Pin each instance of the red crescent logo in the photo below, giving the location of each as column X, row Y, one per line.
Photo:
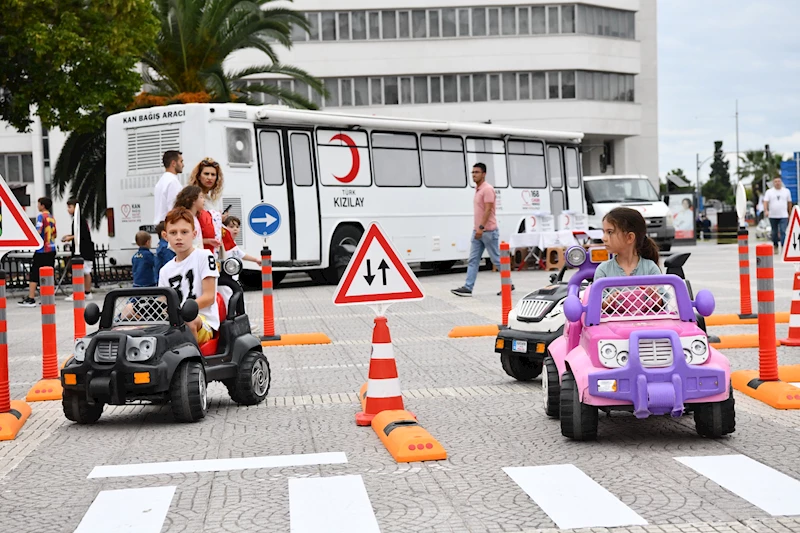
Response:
column 354, row 153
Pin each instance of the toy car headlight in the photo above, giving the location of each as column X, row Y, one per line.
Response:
column 695, row 350
column 140, row 348
column 576, row 256
column 80, row 349
column 232, row 266
column 608, row 351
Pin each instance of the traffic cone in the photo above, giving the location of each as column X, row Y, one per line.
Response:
column 794, row 315
column 383, row 386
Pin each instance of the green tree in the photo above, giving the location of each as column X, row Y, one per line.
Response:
column 72, row 61
column 755, row 163
column 718, row 186
column 186, row 65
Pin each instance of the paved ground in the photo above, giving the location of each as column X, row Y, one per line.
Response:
column 485, row 420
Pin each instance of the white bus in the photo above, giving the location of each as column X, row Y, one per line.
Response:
column 329, row 175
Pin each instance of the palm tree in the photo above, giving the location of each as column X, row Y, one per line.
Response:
column 186, row 64
column 755, row 163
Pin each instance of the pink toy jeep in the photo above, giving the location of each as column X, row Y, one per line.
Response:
column 633, row 344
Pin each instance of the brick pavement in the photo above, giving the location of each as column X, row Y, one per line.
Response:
column 485, row 420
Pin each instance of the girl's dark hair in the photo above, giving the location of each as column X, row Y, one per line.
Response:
column 631, row 221
column 188, row 196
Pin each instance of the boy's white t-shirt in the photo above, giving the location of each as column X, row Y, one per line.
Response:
column 186, row 277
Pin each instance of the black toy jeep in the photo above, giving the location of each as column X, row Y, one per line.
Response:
column 144, row 351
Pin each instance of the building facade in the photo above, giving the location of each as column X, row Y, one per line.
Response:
column 588, row 67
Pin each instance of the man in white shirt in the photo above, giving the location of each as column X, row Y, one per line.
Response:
column 777, row 204
column 168, row 185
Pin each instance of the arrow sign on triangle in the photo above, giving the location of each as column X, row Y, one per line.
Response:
column 391, row 281
column 791, row 248
column 16, row 230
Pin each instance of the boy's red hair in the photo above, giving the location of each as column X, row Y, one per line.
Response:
column 178, row 214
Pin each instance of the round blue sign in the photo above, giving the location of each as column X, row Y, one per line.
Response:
column 264, row 219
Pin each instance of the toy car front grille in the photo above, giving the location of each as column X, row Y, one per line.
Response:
column 655, row 352
column 106, row 351
column 533, row 308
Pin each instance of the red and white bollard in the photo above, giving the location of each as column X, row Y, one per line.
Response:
column 505, row 281
column 794, row 315
column 767, row 352
column 78, row 298
column 13, row 414
column 49, row 387
column 266, row 295
column 383, row 387
column 745, row 301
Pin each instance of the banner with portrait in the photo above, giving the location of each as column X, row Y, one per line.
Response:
column 684, row 216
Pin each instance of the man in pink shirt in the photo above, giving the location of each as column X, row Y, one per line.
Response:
column 485, row 234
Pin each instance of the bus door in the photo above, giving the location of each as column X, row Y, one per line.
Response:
column 572, row 165
column 287, row 181
column 555, row 173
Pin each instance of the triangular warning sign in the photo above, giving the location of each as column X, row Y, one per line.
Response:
column 16, row 231
column 376, row 274
column 791, row 247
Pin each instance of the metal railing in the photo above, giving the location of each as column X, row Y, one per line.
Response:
column 17, row 267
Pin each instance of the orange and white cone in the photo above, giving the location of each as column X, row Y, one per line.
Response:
column 794, row 315
column 383, row 386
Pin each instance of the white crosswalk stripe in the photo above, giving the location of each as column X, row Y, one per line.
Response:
column 772, row 491
column 337, row 504
column 571, row 498
column 132, row 510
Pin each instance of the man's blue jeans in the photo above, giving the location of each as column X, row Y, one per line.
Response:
column 778, row 225
column 490, row 240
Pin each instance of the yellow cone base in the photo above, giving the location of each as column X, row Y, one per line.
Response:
column 12, row 422
column 777, row 394
column 297, row 339
column 488, row 330
column 738, row 341
column 734, row 320
column 46, row 389
column 405, row 439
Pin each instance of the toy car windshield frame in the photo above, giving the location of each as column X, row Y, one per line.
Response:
column 173, row 304
column 594, row 305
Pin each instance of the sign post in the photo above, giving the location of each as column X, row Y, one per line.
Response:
column 265, row 220
column 791, row 253
column 16, row 233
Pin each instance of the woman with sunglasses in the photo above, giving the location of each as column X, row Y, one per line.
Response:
column 208, row 176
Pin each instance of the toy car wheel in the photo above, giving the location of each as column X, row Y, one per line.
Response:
column 551, row 388
column 578, row 420
column 78, row 409
column 717, row 419
column 251, row 384
column 520, row 368
column 188, row 393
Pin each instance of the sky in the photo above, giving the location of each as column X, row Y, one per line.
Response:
column 713, row 52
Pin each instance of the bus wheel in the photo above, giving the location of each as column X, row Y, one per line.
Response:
column 343, row 246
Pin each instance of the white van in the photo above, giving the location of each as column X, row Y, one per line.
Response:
column 604, row 193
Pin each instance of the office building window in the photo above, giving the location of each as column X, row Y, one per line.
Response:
column 17, row 168
column 474, row 22
column 452, row 88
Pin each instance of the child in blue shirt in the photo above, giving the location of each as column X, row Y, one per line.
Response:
column 163, row 254
column 144, row 263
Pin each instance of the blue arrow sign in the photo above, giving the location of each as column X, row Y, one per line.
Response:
column 264, row 219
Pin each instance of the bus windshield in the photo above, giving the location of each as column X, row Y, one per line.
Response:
column 620, row 190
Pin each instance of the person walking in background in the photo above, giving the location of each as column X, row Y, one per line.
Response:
column 163, row 253
column 143, row 262
column 86, row 246
column 777, row 205
column 485, row 234
column 46, row 255
column 168, row 185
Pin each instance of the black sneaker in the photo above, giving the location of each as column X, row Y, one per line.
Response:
column 501, row 291
column 27, row 302
column 462, row 291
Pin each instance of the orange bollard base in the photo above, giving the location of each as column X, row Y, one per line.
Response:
column 46, row 389
column 790, row 342
column 405, row 439
column 777, row 394
column 270, row 338
column 296, row 339
column 489, row 330
column 11, row 423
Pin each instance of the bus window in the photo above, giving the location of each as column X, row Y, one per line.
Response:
column 271, row 159
column 396, row 160
column 301, row 160
column 343, row 158
column 554, row 163
column 556, row 202
column 526, row 162
column 443, row 161
column 571, row 160
column 492, row 153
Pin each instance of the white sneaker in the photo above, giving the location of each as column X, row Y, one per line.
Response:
column 85, row 297
column 68, row 298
